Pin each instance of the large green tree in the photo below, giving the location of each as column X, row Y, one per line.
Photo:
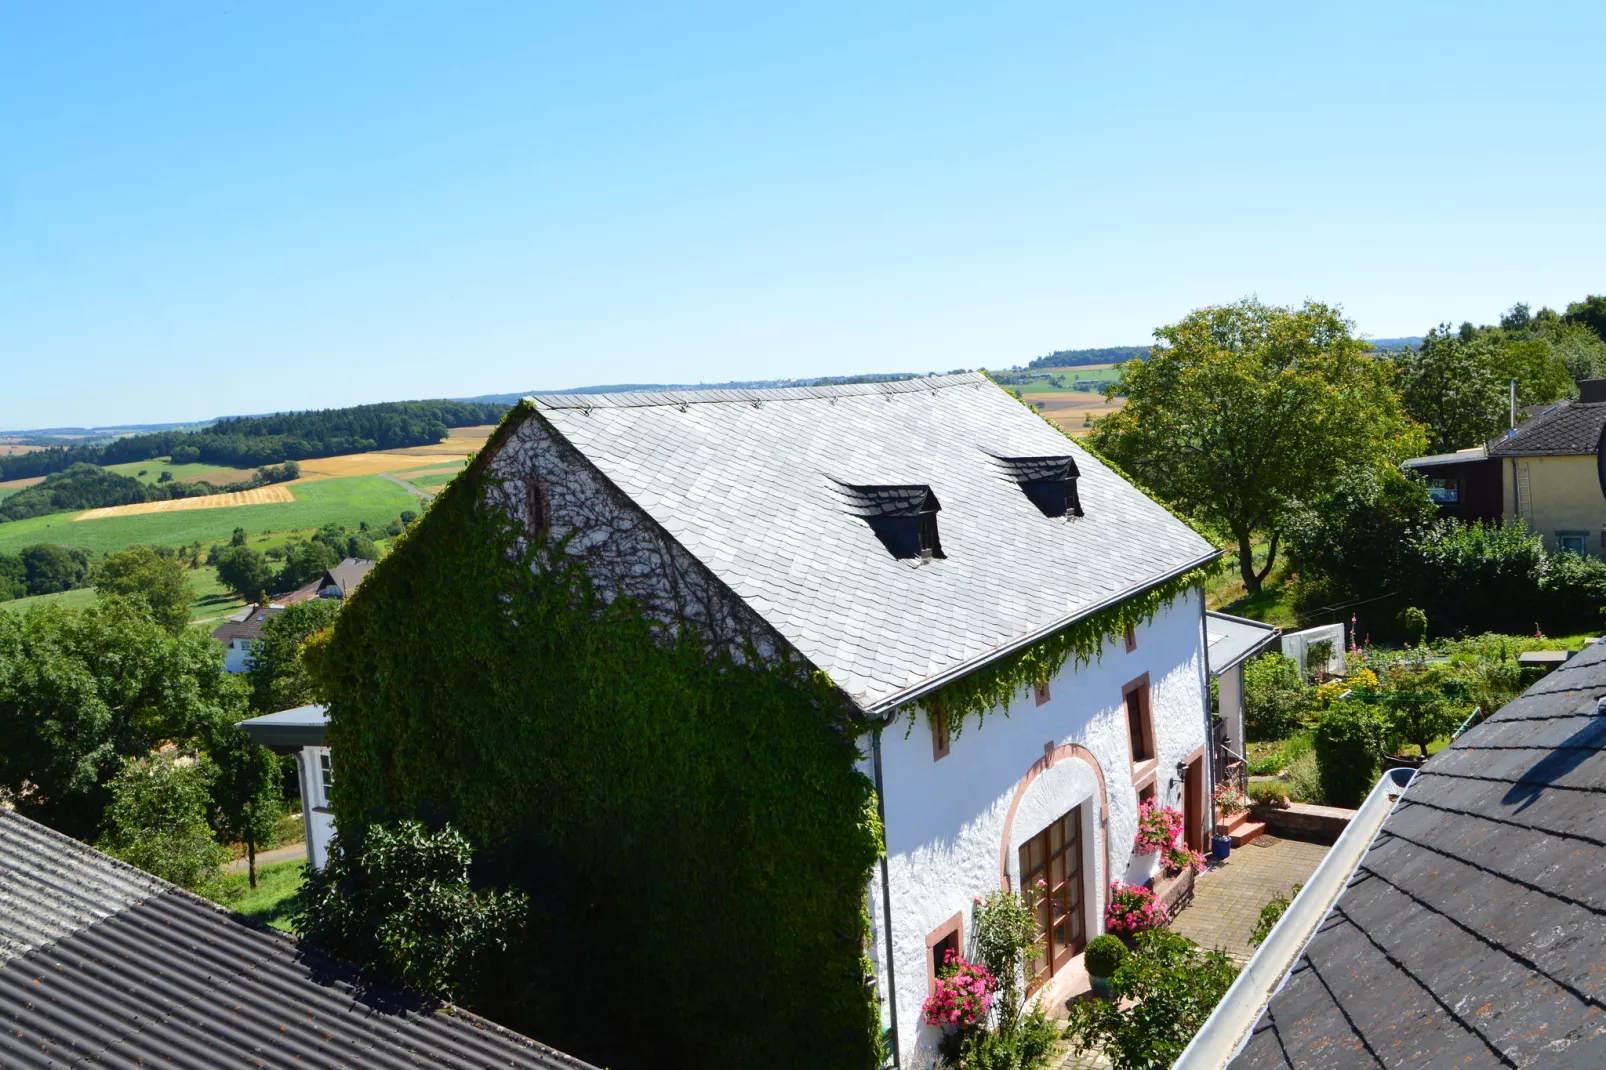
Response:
column 1458, row 382
column 157, row 580
column 245, row 571
column 80, row 690
column 1590, row 312
column 1243, row 410
column 276, row 676
column 156, row 819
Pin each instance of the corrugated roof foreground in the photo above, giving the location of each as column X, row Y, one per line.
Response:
column 749, row 482
column 1473, row 934
column 101, row 964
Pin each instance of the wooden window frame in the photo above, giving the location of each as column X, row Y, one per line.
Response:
column 953, row 927
column 1143, row 768
column 941, row 741
column 1074, row 846
column 1131, row 639
column 1041, row 692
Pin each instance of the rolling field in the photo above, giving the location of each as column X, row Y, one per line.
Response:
column 1069, row 409
column 184, row 473
column 278, row 492
column 456, row 447
column 208, row 600
column 345, row 501
column 433, row 480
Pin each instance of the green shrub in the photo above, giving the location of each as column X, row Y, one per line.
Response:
column 401, row 906
column 1104, row 954
column 1024, row 1045
column 1270, row 915
column 1270, row 792
column 1275, row 698
column 1170, row 986
column 1351, row 739
column 1413, row 625
column 157, row 820
column 1304, row 779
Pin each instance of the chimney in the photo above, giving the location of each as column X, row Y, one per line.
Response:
column 1592, row 390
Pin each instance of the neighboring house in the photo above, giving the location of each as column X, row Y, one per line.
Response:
column 1471, row 933
column 1544, row 473
column 239, row 634
column 103, row 964
column 340, row 581
column 897, row 537
column 301, row 732
column 1231, row 641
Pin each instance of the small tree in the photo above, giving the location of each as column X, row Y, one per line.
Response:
column 244, row 571
column 247, row 791
column 1351, row 739
column 1275, row 698
column 275, row 674
column 157, row 581
column 1413, row 625
column 400, row 904
column 1172, row 986
column 157, row 819
column 1018, row 1036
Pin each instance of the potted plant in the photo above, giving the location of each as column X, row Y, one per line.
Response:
column 1104, row 953
column 1132, row 909
column 1159, row 829
column 963, row 996
column 1181, row 857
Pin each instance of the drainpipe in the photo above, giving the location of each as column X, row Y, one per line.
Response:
column 1211, row 772
column 886, row 895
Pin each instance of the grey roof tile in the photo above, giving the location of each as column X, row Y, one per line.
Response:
column 749, row 490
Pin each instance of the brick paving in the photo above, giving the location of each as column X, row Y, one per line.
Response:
column 1228, row 897
column 1226, row 903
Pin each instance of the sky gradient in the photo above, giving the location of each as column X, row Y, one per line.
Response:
column 216, row 211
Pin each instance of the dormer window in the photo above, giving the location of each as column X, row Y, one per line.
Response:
column 903, row 517
column 1048, row 482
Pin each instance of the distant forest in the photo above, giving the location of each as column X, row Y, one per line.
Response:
column 254, row 441
column 1076, row 358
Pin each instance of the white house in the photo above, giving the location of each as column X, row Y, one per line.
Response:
column 240, row 633
column 301, row 732
column 899, row 538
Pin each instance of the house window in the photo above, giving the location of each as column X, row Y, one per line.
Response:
column 1131, row 638
column 1146, row 793
column 1042, row 692
column 326, row 776
column 1139, row 723
column 929, row 547
column 1575, row 542
column 1444, row 491
column 949, row 937
column 537, row 508
column 1054, row 857
column 939, row 734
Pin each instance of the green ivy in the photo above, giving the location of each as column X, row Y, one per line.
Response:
column 995, row 685
column 691, row 831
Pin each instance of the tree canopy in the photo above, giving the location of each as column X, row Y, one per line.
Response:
column 277, row 679
column 154, row 578
column 1244, row 410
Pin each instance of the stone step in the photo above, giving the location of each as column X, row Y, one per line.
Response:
column 1247, row 832
column 1231, row 824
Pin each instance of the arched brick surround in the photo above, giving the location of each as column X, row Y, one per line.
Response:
column 1051, row 755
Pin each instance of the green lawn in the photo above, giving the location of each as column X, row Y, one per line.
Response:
column 209, row 598
column 6, row 492
column 273, row 899
column 153, row 470
column 345, row 501
column 432, row 482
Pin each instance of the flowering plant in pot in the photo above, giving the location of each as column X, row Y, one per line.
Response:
column 1103, row 955
column 964, row 994
column 1181, row 857
column 1132, row 909
column 1230, row 802
column 1159, row 828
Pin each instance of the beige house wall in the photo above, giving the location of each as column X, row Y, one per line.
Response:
column 1564, row 496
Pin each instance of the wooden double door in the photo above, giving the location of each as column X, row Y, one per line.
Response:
column 1054, row 858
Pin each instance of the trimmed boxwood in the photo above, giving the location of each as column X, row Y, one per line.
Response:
column 1103, row 955
column 692, row 832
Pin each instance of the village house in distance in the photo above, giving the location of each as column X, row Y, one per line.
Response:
column 681, row 647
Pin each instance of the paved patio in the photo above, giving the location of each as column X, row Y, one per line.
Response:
column 1227, row 901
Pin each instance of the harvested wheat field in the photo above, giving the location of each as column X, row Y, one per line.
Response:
column 279, row 492
column 11, row 449
column 459, row 443
column 1070, row 410
column 18, row 484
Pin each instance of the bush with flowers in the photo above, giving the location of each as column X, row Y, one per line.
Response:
column 1159, row 827
column 1230, row 802
column 964, row 993
column 1132, row 908
column 1181, row 857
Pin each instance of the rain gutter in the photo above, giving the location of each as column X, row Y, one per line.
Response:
column 1227, row 1030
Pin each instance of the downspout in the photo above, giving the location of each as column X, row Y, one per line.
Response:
column 1211, row 772
column 886, row 895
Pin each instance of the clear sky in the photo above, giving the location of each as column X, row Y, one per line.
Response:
column 233, row 208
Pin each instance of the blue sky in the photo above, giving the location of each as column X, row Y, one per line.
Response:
column 209, row 210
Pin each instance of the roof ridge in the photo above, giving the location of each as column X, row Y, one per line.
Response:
column 635, row 399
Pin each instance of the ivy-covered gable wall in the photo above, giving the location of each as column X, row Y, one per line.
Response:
column 541, row 665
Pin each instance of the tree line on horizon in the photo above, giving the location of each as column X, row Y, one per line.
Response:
column 256, row 441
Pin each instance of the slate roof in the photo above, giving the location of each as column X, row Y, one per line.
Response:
column 1567, row 428
column 245, row 624
column 749, row 482
column 103, row 965
column 347, row 575
column 1473, row 933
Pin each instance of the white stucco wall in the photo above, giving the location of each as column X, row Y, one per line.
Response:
column 316, row 818
column 945, row 820
column 237, row 655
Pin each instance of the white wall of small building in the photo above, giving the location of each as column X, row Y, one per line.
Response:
column 316, row 818
column 237, row 655
column 945, row 819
